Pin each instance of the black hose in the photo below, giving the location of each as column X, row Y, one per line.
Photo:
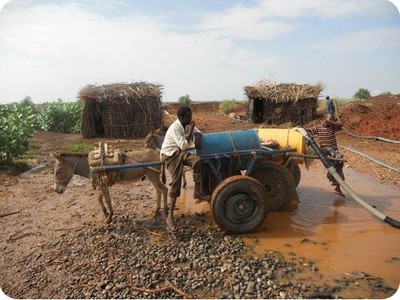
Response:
column 370, row 158
column 331, row 169
column 366, row 137
column 324, row 158
column 392, row 222
column 370, row 137
column 362, row 136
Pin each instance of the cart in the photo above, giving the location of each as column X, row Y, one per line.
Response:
column 245, row 178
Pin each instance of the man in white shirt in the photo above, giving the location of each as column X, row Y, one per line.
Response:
column 174, row 154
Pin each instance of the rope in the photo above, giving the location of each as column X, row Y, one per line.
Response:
column 236, row 154
column 103, row 178
column 287, row 136
column 232, row 141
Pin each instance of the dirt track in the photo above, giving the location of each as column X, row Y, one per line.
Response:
column 36, row 223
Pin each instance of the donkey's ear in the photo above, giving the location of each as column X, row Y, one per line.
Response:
column 54, row 155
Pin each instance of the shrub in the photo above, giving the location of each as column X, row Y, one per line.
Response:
column 185, row 100
column 228, row 106
column 16, row 127
column 362, row 94
column 60, row 116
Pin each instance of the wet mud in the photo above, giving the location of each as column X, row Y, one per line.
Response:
column 337, row 234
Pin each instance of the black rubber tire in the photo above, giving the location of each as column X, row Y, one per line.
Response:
column 239, row 204
column 224, row 175
column 278, row 182
column 295, row 171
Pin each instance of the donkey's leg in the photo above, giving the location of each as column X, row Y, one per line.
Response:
column 103, row 208
column 184, row 177
column 154, row 183
column 170, row 218
column 154, row 178
column 164, row 191
column 157, row 210
column 107, row 197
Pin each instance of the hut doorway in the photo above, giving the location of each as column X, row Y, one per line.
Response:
column 99, row 128
column 258, row 111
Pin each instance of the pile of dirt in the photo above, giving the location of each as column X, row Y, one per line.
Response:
column 376, row 116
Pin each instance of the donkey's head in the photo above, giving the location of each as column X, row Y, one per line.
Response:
column 154, row 139
column 63, row 171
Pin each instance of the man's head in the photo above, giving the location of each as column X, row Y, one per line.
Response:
column 327, row 120
column 184, row 115
column 327, row 98
column 328, row 117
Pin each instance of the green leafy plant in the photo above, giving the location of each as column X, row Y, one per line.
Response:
column 185, row 100
column 228, row 106
column 362, row 94
column 60, row 117
column 17, row 122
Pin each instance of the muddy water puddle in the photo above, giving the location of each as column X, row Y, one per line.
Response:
column 336, row 234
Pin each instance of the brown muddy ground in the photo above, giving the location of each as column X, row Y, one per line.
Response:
column 34, row 220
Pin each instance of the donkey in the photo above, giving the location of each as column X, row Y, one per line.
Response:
column 66, row 165
column 154, row 140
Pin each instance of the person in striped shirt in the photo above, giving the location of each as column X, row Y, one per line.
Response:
column 326, row 133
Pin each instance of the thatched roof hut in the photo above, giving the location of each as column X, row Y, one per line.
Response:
column 121, row 109
column 282, row 103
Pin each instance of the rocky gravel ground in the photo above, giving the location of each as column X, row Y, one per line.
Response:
column 139, row 259
column 387, row 153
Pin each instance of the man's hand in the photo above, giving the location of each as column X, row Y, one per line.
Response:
column 191, row 128
column 197, row 140
column 330, row 122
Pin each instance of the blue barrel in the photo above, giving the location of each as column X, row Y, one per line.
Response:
column 228, row 141
column 220, row 148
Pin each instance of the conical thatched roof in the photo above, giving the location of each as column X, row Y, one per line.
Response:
column 119, row 92
column 282, row 92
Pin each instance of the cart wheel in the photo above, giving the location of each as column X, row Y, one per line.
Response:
column 239, row 204
column 214, row 183
column 295, row 171
column 278, row 182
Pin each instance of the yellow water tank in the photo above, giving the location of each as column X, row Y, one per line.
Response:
column 283, row 137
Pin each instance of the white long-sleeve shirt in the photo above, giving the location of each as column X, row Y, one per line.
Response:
column 175, row 139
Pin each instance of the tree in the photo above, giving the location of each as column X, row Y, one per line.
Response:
column 362, row 94
column 27, row 101
column 185, row 100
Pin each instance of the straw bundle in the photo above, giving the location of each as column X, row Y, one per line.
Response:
column 283, row 92
column 118, row 92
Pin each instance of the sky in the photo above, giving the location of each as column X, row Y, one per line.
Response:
column 207, row 49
